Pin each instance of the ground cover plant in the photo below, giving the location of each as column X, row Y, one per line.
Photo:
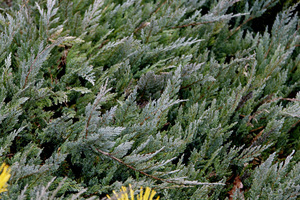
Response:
column 195, row 99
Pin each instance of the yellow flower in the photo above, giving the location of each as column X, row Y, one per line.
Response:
column 4, row 176
column 123, row 195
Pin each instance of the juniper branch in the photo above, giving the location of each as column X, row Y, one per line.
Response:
column 151, row 176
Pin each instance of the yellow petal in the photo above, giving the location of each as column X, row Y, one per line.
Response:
column 131, row 192
column 141, row 194
column 147, row 194
column 4, row 177
column 152, row 194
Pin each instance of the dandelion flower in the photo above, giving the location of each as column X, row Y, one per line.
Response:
column 4, row 176
column 123, row 194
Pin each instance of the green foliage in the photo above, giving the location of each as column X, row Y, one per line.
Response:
column 181, row 96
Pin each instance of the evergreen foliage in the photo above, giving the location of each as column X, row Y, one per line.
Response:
column 185, row 97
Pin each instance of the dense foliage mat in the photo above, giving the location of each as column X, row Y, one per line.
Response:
column 196, row 99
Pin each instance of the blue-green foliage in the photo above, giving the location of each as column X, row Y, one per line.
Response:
column 182, row 96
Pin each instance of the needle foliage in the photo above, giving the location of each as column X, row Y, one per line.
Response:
column 187, row 97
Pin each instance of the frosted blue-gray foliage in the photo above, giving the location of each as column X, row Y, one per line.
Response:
column 276, row 181
column 177, row 95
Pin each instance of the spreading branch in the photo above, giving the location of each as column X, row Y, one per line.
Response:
column 151, row 176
